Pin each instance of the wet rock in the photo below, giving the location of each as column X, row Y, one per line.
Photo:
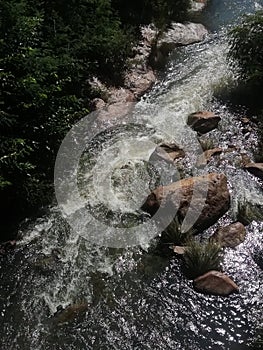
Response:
column 46, row 264
column 248, row 212
column 120, row 95
column 207, row 155
column 179, row 250
column 71, row 312
column 211, row 199
column 181, row 34
column 245, row 120
column 168, row 152
column 115, row 111
column 231, row 235
column 97, row 103
column 198, row 5
column 139, row 81
column 203, row 121
column 255, row 169
column 216, row 283
column 258, row 257
column 7, row 247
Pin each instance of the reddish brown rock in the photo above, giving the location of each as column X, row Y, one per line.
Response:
column 207, row 155
column 203, row 121
column 255, row 169
column 210, row 201
column 215, row 282
column 231, row 235
column 167, row 152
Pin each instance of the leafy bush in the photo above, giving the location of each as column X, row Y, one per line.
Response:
column 200, row 258
column 49, row 51
column 246, row 47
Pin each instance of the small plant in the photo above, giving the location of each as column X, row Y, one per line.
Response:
column 200, row 258
column 207, row 144
column 247, row 212
column 173, row 234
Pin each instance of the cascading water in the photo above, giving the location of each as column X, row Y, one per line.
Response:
column 135, row 299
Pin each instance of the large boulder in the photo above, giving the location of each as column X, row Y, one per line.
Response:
column 203, row 121
column 215, row 282
column 231, row 235
column 255, row 169
column 205, row 198
column 181, row 34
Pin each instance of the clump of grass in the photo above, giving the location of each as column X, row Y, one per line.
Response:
column 173, row 234
column 207, row 144
column 247, row 212
column 200, row 258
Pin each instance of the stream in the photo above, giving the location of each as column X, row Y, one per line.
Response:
column 134, row 298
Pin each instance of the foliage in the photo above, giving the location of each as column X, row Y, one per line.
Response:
column 246, row 47
column 174, row 235
column 49, row 51
column 200, row 258
column 159, row 12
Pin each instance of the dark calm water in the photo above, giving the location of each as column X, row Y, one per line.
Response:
column 138, row 299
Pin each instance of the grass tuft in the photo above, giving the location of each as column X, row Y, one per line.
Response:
column 200, row 258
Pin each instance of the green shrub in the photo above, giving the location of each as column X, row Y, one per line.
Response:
column 200, row 258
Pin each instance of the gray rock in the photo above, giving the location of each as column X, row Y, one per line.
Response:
column 181, row 34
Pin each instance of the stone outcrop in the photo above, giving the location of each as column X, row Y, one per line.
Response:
column 178, row 34
column 203, row 121
column 140, row 76
column 181, row 34
column 230, row 236
column 168, row 152
column 255, row 169
column 206, row 197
